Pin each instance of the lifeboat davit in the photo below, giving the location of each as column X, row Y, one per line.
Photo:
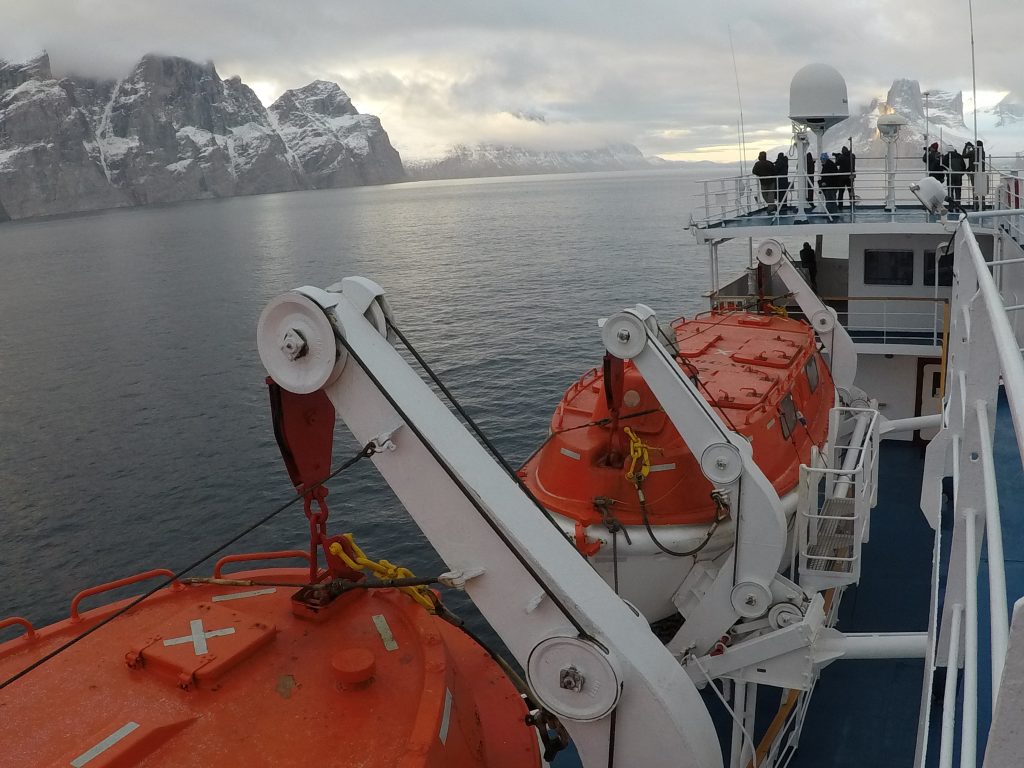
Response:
column 766, row 379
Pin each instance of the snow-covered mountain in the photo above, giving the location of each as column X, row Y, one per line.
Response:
column 1009, row 110
column 503, row 160
column 173, row 130
column 940, row 115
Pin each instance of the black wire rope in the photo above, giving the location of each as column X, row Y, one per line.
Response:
column 476, row 429
column 470, row 497
column 368, row 450
column 719, row 517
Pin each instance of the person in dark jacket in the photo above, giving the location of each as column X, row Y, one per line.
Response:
column 933, row 160
column 809, row 261
column 829, row 181
column 970, row 165
column 764, row 169
column 956, row 166
column 810, row 178
column 782, row 180
column 846, row 162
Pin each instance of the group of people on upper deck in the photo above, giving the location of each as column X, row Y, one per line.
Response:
column 950, row 167
column 838, row 170
column 837, row 174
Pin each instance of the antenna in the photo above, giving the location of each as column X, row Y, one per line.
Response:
column 739, row 100
column 974, row 75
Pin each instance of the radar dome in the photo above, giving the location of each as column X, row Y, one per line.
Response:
column 817, row 97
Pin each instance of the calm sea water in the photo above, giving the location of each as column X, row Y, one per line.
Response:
column 134, row 426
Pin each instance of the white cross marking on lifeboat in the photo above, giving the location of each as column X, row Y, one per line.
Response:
column 199, row 637
column 726, row 352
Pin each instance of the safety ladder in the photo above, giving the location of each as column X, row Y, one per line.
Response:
column 834, row 500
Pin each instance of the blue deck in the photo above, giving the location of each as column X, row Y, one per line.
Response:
column 865, row 712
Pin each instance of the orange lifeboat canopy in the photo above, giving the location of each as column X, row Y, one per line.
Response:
column 214, row 675
column 764, row 377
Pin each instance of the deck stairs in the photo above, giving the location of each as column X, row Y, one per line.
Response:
column 835, row 496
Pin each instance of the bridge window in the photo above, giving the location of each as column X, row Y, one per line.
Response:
column 889, row 267
column 945, row 268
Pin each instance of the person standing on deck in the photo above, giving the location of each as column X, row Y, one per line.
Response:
column 970, row 165
column 829, row 181
column 782, row 180
column 846, row 162
column 809, row 261
column 933, row 160
column 764, row 169
column 954, row 161
column 810, row 178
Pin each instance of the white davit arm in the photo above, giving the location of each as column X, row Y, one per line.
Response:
column 742, row 587
column 588, row 658
column 841, row 353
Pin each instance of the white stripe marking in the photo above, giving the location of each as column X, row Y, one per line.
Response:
column 242, row 595
column 198, row 637
column 662, row 467
column 446, row 718
column 384, row 630
column 570, row 454
column 103, row 746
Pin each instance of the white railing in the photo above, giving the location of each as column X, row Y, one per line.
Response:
column 982, row 347
column 736, row 196
column 835, row 521
column 914, row 320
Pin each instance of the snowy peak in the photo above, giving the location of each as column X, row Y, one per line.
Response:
column 14, row 73
column 1009, row 110
column 330, row 141
column 937, row 114
column 319, row 97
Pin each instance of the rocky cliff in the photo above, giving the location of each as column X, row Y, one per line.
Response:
column 173, row 130
column 500, row 160
column 941, row 113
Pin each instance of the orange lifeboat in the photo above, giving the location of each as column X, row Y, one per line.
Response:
column 764, row 377
column 207, row 674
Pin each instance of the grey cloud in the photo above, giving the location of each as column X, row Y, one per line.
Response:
column 625, row 71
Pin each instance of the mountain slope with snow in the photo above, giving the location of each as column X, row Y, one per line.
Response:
column 171, row 130
column 503, row 160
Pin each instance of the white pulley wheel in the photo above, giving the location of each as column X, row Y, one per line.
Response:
column 296, row 344
column 769, row 252
column 824, row 320
column 624, row 335
column 573, row 678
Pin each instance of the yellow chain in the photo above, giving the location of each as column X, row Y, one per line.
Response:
column 638, row 452
column 382, row 569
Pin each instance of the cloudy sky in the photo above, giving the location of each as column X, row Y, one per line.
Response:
column 553, row 74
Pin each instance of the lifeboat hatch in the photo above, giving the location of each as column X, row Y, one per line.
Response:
column 201, row 644
column 773, row 353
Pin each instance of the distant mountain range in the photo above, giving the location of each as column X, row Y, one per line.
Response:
column 174, row 130
column 502, row 160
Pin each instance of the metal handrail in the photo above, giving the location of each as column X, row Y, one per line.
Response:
column 982, row 340
column 737, row 195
